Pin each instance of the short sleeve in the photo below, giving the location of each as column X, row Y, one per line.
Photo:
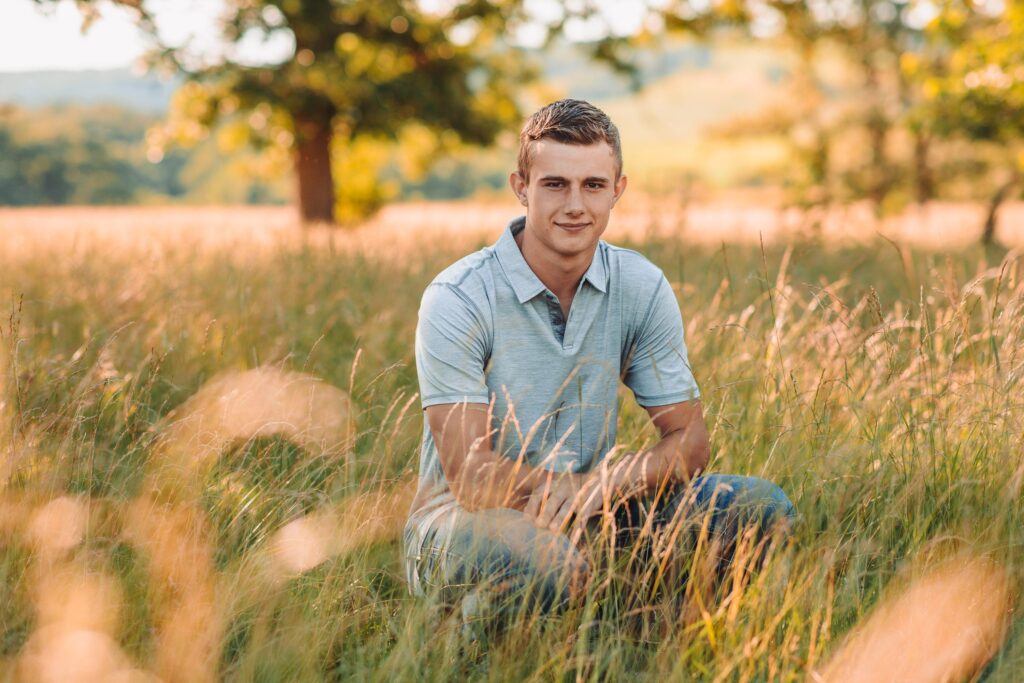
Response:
column 451, row 348
column 657, row 367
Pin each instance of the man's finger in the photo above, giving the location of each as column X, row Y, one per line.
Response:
column 533, row 504
column 589, row 504
column 547, row 510
column 559, row 519
column 555, row 502
column 538, row 498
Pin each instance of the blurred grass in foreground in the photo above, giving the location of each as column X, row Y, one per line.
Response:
column 880, row 388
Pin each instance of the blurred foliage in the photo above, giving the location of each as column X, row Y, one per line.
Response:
column 69, row 155
column 362, row 73
column 97, row 155
column 893, row 101
column 846, row 120
column 102, row 155
column 981, row 93
column 978, row 95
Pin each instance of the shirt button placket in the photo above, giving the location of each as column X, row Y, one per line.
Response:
column 568, row 337
column 555, row 313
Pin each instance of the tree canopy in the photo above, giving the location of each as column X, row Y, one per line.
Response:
column 367, row 73
column 361, row 70
column 978, row 95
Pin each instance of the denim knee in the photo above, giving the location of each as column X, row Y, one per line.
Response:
column 743, row 499
column 772, row 500
column 504, row 548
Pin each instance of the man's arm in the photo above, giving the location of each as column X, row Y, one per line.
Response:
column 657, row 370
column 682, row 452
column 479, row 478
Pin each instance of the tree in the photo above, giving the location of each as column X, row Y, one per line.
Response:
column 886, row 45
column 980, row 96
column 873, row 36
column 361, row 69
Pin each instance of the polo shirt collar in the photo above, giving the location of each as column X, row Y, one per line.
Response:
column 524, row 281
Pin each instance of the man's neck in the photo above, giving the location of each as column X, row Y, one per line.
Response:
column 562, row 277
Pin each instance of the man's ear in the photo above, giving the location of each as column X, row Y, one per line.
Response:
column 620, row 187
column 518, row 185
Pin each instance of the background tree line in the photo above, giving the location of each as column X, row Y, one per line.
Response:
column 97, row 155
column 368, row 78
column 67, row 154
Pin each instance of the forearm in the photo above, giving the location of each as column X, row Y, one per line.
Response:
column 478, row 476
column 489, row 480
column 675, row 459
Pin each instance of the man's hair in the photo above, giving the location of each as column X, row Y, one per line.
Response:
column 572, row 122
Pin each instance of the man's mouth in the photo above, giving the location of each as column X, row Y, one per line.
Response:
column 573, row 227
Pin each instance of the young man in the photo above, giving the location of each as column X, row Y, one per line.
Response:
column 519, row 349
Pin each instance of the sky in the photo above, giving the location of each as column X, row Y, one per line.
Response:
column 34, row 39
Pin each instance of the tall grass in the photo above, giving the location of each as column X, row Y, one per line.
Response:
column 881, row 388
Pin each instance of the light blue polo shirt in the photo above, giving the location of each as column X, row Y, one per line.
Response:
column 489, row 331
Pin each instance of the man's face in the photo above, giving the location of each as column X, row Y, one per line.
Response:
column 569, row 197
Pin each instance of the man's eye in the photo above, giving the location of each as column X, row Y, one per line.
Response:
column 553, row 184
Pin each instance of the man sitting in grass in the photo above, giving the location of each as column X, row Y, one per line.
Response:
column 520, row 348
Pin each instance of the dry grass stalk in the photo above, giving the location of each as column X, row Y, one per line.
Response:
column 944, row 627
column 238, row 406
column 77, row 609
column 190, row 626
column 359, row 520
column 7, row 448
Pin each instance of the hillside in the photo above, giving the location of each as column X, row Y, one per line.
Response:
column 665, row 126
column 565, row 67
column 686, row 87
column 147, row 93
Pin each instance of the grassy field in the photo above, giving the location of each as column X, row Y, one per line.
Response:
column 880, row 385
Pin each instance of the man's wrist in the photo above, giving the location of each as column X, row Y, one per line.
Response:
column 614, row 480
column 635, row 473
column 628, row 477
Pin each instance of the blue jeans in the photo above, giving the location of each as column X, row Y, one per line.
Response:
column 502, row 551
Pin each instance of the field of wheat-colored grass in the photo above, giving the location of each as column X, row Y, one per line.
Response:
column 209, row 425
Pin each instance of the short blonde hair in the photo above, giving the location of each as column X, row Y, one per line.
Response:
column 573, row 122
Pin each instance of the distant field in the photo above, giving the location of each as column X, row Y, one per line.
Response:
column 249, row 530
column 741, row 218
column 666, row 126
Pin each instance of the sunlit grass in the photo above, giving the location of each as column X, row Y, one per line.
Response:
column 879, row 386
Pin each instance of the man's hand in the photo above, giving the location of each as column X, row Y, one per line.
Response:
column 681, row 453
column 480, row 478
column 552, row 500
column 565, row 498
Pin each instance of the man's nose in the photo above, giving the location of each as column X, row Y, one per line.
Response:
column 574, row 202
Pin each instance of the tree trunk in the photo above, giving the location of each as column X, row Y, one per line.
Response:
column 313, row 167
column 877, row 124
column 810, row 93
column 924, row 182
column 923, row 178
column 879, row 182
column 988, row 232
